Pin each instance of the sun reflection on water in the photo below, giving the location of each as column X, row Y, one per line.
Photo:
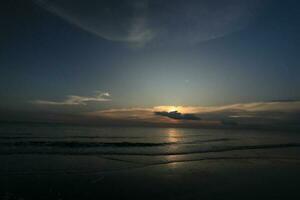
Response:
column 174, row 136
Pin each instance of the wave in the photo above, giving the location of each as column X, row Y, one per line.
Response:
column 137, row 153
column 91, row 137
column 77, row 144
column 65, row 137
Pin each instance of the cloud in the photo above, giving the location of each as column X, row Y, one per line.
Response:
column 178, row 115
column 127, row 22
column 275, row 115
column 271, row 106
column 144, row 21
column 147, row 117
column 77, row 100
column 269, row 114
column 246, row 110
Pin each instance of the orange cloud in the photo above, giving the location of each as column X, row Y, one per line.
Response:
column 210, row 115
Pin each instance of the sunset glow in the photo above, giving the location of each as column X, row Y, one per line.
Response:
column 149, row 99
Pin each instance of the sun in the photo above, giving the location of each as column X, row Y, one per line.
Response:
column 172, row 109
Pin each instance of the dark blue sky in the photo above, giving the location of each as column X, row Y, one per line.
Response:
column 167, row 61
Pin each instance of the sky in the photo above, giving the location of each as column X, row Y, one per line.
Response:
column 123, row 59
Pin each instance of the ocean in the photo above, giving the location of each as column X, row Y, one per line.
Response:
column 54, row 161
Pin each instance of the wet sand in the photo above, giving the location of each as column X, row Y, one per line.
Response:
column 251, row 175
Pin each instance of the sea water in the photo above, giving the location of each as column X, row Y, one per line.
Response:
column 47, row 161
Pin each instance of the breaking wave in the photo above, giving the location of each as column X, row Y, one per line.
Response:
column 215, row 149
column 78, row 144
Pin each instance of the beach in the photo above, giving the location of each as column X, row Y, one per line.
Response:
column 71, row 162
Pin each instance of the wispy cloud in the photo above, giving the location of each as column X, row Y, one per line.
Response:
column 136, row 31
column 271, row 106
column 256, row 113
column 77, row 100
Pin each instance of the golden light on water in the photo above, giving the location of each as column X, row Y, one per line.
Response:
column 173, row 135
